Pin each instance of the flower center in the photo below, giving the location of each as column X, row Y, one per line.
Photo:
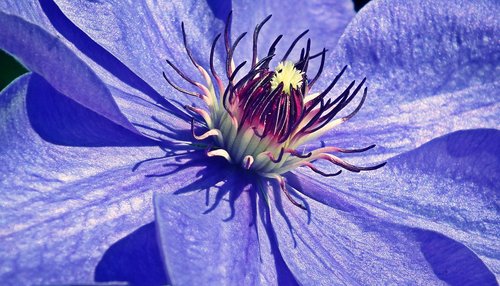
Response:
column 259, row 119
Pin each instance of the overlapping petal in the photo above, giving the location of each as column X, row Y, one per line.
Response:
column 61, row 207
column 432, row 68
column 113, row 26
column 126, row 87
column 325, row 20
column 215, row 229
column 328, row 246
column 46, row 55
column 448, row 185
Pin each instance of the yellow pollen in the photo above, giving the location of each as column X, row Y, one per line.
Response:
column 287, row 74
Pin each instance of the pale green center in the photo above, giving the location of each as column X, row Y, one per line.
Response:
column 287, row 74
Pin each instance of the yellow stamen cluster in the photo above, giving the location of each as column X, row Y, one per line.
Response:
column 287, row 74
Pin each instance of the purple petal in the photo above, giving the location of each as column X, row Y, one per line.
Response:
column 60, row 120
column 46, row 55
column 449, row 185
column 62, row 207
column 431, row 69
column 327, row 246
column 145, row 50
column 117, row 76
column 154, row 120
column 214, row 229
column 325, row 20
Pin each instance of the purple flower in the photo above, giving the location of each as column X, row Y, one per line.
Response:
column 94, row 131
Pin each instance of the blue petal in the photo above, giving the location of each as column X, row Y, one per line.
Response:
column 142, row 36
column 214, row 229
column 61, row 207
column 327, row 246
column 29, row 11
column 117, row 76
column 153, row 120
column 60, row 120
column 449, row 185
column 46, row 55
column 325, row 20
column 431, row 69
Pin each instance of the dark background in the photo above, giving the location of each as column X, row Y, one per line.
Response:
column 10, row 68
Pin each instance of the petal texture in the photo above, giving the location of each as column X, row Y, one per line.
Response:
column 219, row 246
column 327, row 246
column 60, row 120
column 448, row 185
column 46, row 55
column 432, row 68
column 145, row 50
column 61, row 207
column 126, row 87
column 325, row 20
column 214, row 229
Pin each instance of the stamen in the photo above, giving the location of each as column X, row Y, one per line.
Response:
column 179, row 72
column 318, row 54
column 229, row 60
column 211, row 132
column 297, row 154
column 229, row 90
column 268, row 114
column 290, row 49
column 271, row 156
column 272, row 49
column 350, row 167
column 220, row 153
column 321, row 122
column 320, row 69
column 181, row 89
column 316, row 170
column 256, row 37
column 202, row 113
column 212, row 68
column 342, row 150
column 227, row 38
column 188, row 51
column 327, row 90
column 304, row 61
column 209, row 92
column 330, row 125
column 282, row 183
column 248, row 161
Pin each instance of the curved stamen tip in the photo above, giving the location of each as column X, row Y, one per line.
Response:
column 318, row 171
column 211, row 132
column 282, row 183
column 374, row 167
column 220, row 153
column 280, row 156
column 248, row 162
column 299, row 155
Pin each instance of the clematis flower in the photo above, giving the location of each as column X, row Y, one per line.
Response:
column 96, row 145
